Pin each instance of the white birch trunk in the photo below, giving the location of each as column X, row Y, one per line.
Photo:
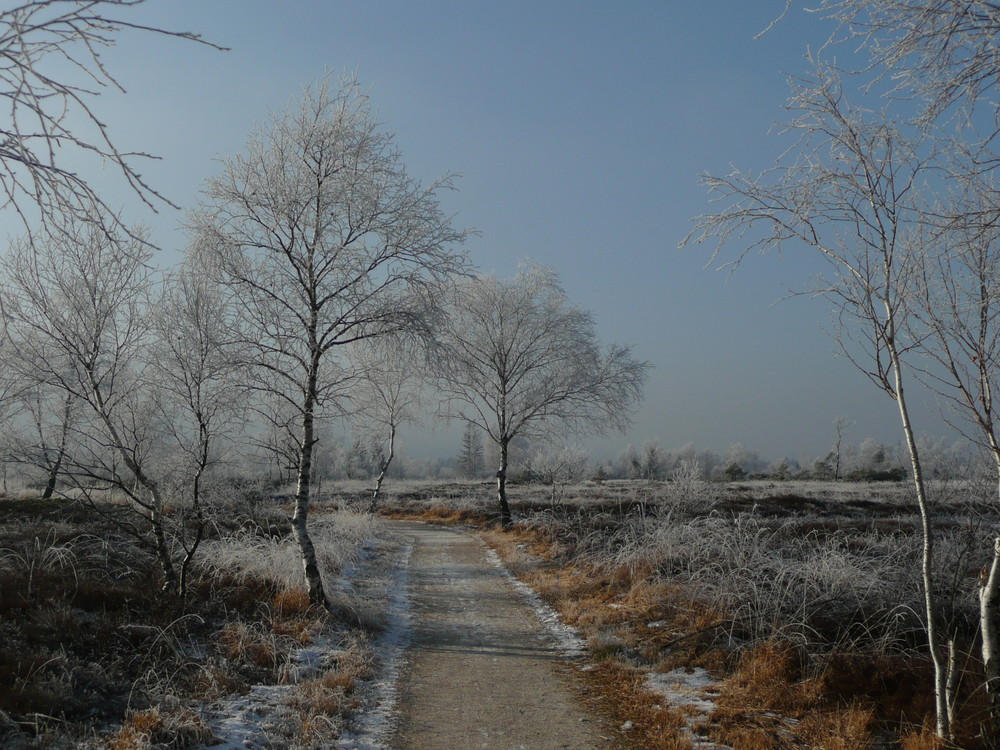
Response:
column 506, row 520
column 385, row 467
column 310, row 565
column 989, row 613
column 941, row 696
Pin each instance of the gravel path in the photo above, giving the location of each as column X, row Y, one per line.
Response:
column 482, row 672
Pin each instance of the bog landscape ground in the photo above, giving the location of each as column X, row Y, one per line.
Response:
column 746, row 615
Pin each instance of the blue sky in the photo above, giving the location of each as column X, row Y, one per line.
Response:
column 579, row 129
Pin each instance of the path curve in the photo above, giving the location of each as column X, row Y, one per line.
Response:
column 482, row 672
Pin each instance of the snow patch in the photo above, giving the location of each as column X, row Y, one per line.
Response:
column 693, row 689
column 565, row 636
column 682, row 688
column 249, row 721
column 255, row 721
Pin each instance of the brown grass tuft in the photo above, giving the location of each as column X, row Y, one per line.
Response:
column 921, row 739
column 621, row 691
column 291, row 602
column 322, row 702
column 771, row 677
column 843, row 729
column 161, row 729
column 437, row 514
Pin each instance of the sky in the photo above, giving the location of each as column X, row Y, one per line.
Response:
column 579, row 131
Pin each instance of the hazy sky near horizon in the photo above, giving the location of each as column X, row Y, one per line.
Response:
column 579, row 130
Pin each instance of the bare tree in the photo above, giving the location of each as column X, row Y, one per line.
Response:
column 201, row 395
column 840, row 424
column 557, row 465
column 946, row 54
column 149, row 386
column 848, row 190
column 943, row 51
column 958, row 321
column 50, row 72
column 46, row 423
column 323, row 240
column 386, row 395
column 519, row 359
column 76, row 308
column 276, row 437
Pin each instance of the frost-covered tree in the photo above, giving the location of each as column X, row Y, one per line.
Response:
column 519, row 359
column 628, row 462
column 387, row 393
column 323, row 240
column 942, row 52
column 849, row 190
column 654, row 463
column 134, row 384
column 40, row 438
column 199, row 379
column 51, row 70
column 76, row 308
column 557, row 465
column 841, row 425
column 958, row 321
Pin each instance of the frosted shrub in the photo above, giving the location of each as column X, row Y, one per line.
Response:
column 338, row 538
column 558, row 466
column 767, row 577
column 688, row 487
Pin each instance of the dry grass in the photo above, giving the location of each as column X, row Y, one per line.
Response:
column 923, row 738
column 87, row 640
column 161, row 728
column 321, row 703
column 622, row 693
column 254, row 644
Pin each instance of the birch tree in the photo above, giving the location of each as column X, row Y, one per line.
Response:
column 323, row 240
column 76, row 308
column 518, row 359
column 40, row 438
column 943, row 52
column 387, row 394
column 958, row 321
column 849, row 191
column 276, row 438
column 199, row 379
column 946, row 55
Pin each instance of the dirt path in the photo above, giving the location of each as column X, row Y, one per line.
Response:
column 482, row 673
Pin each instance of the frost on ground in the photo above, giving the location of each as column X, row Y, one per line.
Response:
column 374, row 584
column 565, row 636
column 261, row 718
column 373, row 725
column 692, row 689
